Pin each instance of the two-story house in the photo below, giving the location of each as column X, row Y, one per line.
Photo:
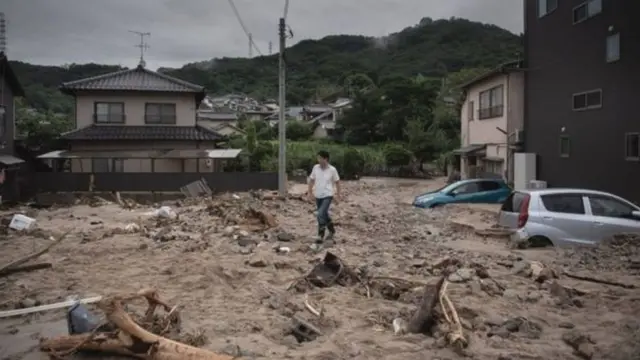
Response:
column 491, row 122
column 137, row 120
column 581, row 118
column 10, row 88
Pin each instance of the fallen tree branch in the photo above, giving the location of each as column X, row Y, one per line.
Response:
column 25, row 268
column 33, row 255
column 599, row 281
column 130, row 339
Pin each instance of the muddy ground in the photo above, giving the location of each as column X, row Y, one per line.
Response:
column 232, row 285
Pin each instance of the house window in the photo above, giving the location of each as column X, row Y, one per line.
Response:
column 108, row 113
column 632, row 146
column 107, row 165
column 586, row 10
column 470, row 110
column 160, row 113
column 565, row 146
column 491, row 103
column 587, row 100
column 613, row 47
column 546, row 7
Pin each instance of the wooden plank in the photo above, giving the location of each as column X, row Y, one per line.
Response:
column 60, row 305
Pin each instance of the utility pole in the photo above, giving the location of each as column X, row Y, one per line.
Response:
column 250, row 45
column 282, row 126
column 3, row 34
column 142, row 45
column 270, row 47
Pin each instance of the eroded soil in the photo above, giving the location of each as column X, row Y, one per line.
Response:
column 233, row 286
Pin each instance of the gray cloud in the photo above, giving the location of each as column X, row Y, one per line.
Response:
column 182, row 31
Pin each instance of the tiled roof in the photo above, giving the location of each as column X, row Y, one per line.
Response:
column 138, row 79
column 102, row 132
column 210, row 115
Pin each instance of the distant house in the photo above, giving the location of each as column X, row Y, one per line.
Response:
column 259, row 115
column 10, row 89
column 138, row 120
column 491, row 122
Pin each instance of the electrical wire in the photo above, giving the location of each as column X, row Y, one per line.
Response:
column 244, row 28
column 286, row 9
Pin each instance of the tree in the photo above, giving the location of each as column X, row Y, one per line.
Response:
column 37, row 128
column 397, row 155
column 298, row 130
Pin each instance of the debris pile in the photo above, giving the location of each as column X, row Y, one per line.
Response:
column 619, row 253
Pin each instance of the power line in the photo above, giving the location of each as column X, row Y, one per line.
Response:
column 286, row 9
column 244, row 28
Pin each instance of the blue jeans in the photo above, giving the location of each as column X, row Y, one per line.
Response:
column 324, row 220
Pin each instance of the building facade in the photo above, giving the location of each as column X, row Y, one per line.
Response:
column 583, row 68
column 491, row 119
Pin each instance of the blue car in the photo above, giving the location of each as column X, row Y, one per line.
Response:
column 471, row 191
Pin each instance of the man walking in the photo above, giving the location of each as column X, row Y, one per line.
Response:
column 324, row 177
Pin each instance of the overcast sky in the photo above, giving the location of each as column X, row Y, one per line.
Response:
column 80, row 31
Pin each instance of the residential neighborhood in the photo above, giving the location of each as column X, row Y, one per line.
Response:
column 240, row 180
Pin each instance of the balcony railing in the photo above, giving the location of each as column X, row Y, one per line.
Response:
column 490, row 112
column 160, row 119
column 109, row 118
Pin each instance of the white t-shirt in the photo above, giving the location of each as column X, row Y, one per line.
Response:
column 324, row 180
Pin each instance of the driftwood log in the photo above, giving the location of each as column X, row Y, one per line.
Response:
column 129, row 338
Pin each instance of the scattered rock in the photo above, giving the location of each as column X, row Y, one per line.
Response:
column 582, row 344
column 285, row 237
column 28, row 302
column 258, row 261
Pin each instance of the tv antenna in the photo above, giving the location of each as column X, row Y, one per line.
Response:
column 143, row 46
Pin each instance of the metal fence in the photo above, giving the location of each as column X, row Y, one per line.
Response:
column 153, row 182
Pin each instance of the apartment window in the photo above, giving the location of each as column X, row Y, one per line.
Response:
column 107, row 165
column 632, row 146
column 586, row 10
column 491, row 103
column 108, row 113
column 160, row 113
column 565, row 146
column 470, row 110
column 546, row 6
column 587, row 100
column 613, row 47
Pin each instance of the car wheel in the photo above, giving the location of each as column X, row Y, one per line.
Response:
column 539, row 241
column 434, row 206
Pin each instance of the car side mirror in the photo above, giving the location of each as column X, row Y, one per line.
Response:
column 636, row 214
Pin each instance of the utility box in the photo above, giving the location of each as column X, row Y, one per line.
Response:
column 524, row 170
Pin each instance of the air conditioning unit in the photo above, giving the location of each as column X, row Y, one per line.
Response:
column 518, row 137
column 537, row 184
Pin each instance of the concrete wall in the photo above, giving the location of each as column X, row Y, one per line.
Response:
column 134, row 106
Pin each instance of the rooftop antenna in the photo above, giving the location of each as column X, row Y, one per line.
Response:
column 142, row 45
column 3, row 33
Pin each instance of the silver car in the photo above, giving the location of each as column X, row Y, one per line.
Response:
column 567, row 216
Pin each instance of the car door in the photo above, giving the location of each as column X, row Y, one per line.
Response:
column 567, row 219
column 612, row 216
column 491, row 192
column 465, row 193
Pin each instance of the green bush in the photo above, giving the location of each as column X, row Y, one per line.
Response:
column 397, row 155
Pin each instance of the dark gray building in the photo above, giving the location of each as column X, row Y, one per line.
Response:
column 9, row 165
column 582, row 93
